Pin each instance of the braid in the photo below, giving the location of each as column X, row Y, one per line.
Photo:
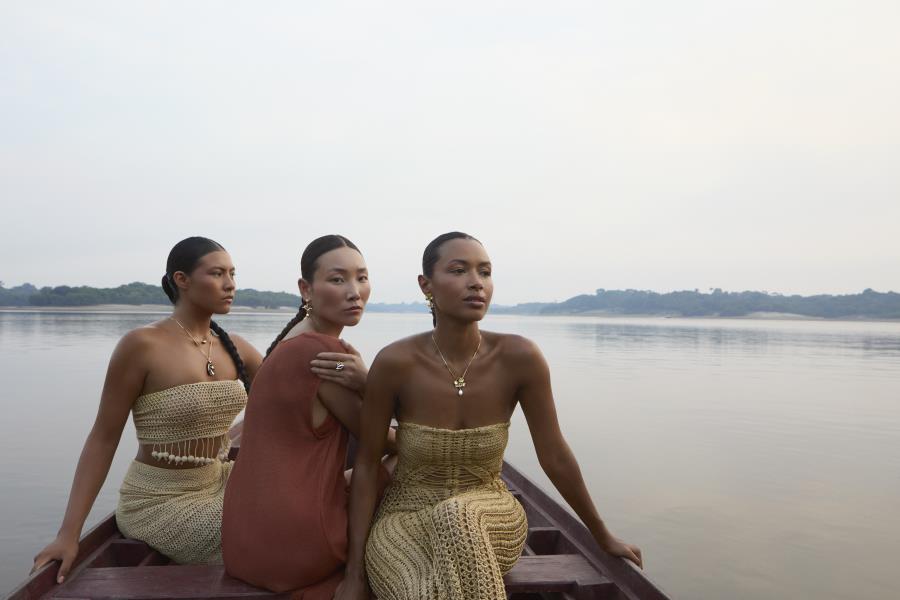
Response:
column 232, row 352
column 297, row 318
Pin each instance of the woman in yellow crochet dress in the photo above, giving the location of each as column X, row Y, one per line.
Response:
column 184, row 379
column 448, row 528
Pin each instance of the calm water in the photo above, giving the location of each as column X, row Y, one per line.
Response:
column 748, row 459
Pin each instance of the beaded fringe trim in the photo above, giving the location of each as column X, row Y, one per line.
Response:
column 196, row 452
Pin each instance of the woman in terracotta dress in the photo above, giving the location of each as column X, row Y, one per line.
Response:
column 284, row 526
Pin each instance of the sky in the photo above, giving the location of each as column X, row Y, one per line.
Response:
column 648, row 145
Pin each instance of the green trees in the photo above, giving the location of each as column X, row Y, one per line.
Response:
column 130, row 294
column 869, row 304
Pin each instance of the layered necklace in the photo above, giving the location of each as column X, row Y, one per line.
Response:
column 458, row 382
column 210, row 368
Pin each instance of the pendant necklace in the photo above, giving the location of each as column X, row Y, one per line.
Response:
column 458, row 382
column 210, row 368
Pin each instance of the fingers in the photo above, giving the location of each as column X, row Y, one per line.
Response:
column 322, row 372
column 633, row 556
column 64, row 569
column 331, row 364
column 39, row 561
column 334, row 357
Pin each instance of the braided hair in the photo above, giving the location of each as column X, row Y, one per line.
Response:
column 432, row 253
column 308, row 265
column 184, row 257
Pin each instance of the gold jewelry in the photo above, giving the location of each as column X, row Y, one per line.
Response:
column 458, row 382
column 429, row 301
column 308, row 307
column 210, row 368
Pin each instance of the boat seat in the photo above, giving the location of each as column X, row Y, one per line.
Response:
column 557, row 573
column 552, row 573
column 176, row 582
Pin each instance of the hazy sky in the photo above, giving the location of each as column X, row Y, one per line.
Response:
column 654, row 145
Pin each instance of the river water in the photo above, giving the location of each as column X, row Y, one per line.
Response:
column 748, row 459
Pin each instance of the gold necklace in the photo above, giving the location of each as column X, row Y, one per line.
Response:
column 458, row 382
column 210, row 368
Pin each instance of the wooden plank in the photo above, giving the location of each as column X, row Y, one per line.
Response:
column 188, row 582
column 554, row 573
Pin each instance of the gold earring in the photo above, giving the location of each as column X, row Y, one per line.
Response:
column 309, row 308
column 429, row 301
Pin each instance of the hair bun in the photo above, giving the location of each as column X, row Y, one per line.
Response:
column 167, row 288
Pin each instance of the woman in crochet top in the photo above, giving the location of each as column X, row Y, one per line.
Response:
column 185, row 379
column 448, row 527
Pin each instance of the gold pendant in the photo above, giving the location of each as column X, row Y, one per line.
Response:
column 210, row 369
column 460, row 384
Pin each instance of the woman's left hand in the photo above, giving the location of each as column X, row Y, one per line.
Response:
column 617, row 547
column 351, row 375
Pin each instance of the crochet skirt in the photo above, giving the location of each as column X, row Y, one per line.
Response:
column 458, row 548
column 175, row 511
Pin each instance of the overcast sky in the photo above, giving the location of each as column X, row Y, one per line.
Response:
column 654, row 145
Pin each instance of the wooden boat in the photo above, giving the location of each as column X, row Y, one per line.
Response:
column 560, row 561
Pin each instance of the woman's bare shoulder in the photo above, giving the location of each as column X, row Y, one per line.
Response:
column 512, row 345
column 142, row 338
column 401, row 353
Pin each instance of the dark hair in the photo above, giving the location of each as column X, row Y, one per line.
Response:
column 309, row 262
column 432, row 253
column 184, row 257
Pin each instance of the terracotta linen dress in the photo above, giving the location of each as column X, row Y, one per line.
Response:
column 284, row 525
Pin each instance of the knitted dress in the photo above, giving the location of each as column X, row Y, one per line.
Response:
column 179, row 511
column 448, row 527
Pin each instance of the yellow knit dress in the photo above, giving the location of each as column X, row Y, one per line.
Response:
column 448, row 527
column 179, row 511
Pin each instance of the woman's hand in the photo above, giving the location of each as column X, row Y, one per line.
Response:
column 64, row 549
column 352, row 375
column 617, row 547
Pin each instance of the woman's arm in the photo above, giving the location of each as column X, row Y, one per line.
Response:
column 124, row 381
column 555, row 456
column 377, row 410
column 346, row 406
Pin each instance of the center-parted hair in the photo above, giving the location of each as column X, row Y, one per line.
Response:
column 433, row 253
column 184, row 257
column 309, row 263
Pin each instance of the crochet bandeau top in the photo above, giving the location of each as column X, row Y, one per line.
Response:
column 189, row 423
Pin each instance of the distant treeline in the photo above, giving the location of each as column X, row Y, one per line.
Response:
column 868, row 304
column 132, row 293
